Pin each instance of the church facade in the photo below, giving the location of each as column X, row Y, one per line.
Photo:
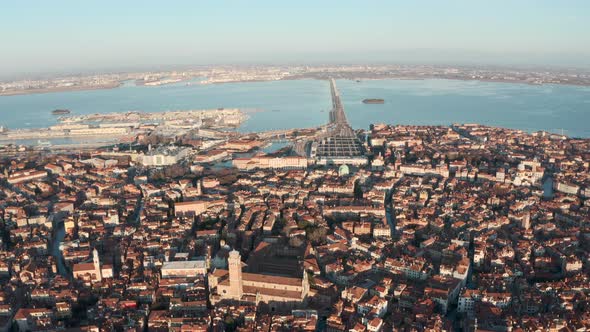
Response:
column 278, row 292
column 92, row 272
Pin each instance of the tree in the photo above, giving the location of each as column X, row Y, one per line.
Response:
column 316, row 235
column 230, row 323
column 295, row 242
column 358, row 191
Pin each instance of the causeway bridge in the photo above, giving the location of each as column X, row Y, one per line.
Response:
column 338, row 141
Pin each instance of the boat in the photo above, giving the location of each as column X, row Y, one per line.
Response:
column 373, row 101
column 60, row 112
column 43, row 143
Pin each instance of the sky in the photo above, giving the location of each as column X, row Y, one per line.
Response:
column 62, row 36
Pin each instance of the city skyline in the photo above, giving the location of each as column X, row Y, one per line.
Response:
column 66, row 37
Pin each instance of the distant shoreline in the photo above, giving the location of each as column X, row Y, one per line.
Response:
column 295, row 78
column 60, row 89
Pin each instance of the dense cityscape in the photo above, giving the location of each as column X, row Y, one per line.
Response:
column 295, row 166
column 392, row 227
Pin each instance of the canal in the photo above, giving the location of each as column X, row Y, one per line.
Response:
column 59, row 234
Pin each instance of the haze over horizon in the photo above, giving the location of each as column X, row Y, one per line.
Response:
column 70, row 36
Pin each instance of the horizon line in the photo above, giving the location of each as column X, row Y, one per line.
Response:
column 130, row 69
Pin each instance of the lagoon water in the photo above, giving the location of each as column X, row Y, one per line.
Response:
column 306, row 103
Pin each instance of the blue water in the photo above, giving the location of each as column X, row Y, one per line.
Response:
column 305, row 103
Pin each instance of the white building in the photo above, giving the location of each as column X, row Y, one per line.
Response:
column 26, row 175
column 467, row 300
column 184, row 269
column 566, row 188
column 163, row 157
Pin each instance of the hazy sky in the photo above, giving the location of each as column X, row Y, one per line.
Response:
column 66, row 36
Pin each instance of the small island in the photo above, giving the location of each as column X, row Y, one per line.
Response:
column 373, row 101
column 60, row 112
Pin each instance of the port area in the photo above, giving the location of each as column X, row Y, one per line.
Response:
column 127, row 125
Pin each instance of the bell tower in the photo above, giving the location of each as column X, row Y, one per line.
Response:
column 96, row 263
column 235, row 274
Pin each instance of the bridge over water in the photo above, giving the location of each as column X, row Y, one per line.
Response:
column 338, row 125
column 339, row 140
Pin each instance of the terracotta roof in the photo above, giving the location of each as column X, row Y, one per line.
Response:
column 273, row 292
column 220, row 273
column 83, row 267
column 263, row 278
